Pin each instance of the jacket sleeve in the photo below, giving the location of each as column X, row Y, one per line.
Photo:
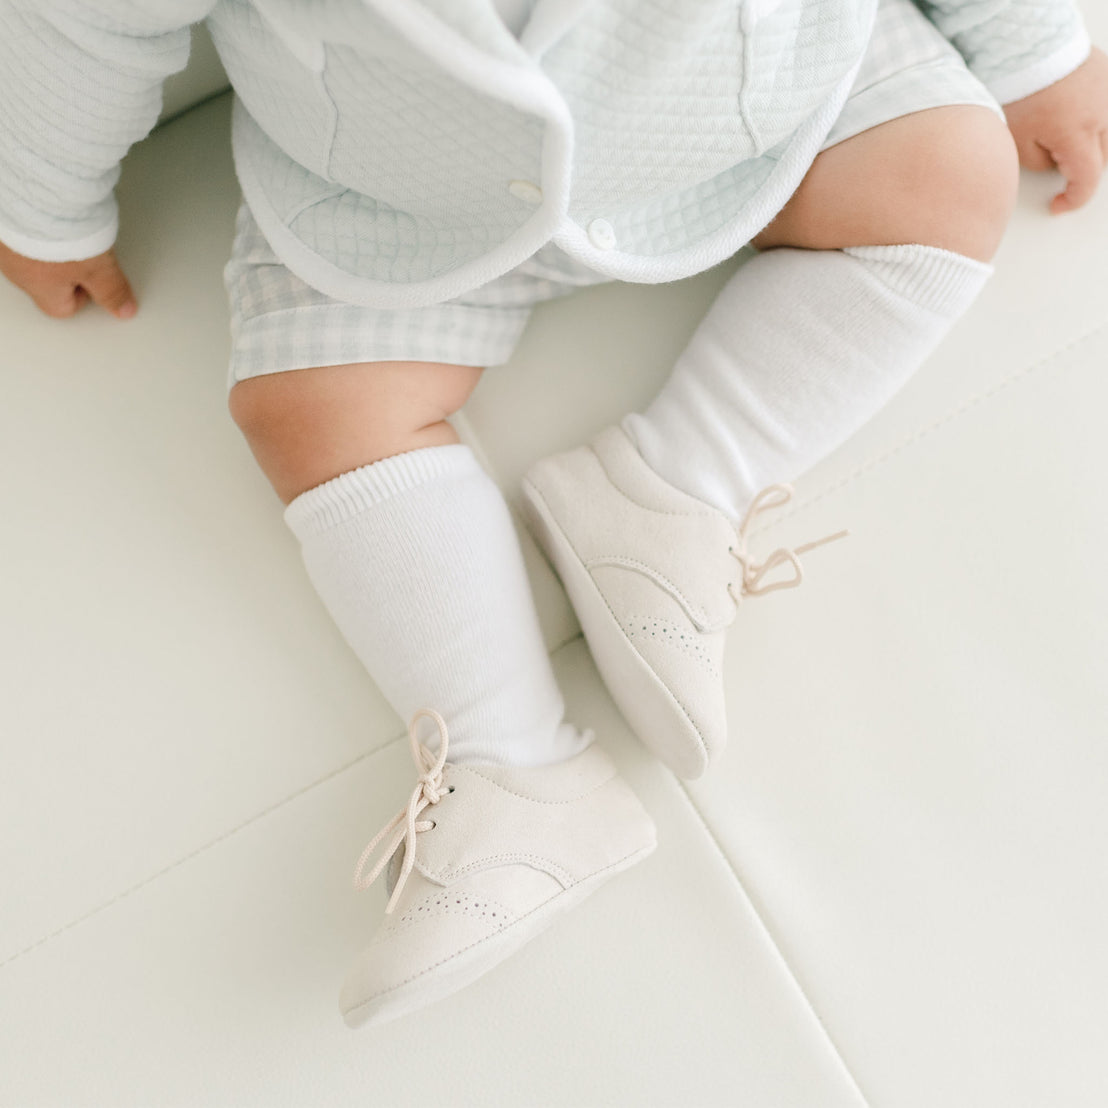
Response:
column 80, row 82
column 1015, row 47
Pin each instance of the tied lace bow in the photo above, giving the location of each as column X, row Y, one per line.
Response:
column 405, row 825
column 772, row 496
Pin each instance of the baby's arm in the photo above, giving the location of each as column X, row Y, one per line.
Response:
column 80, row 81
column 1036, row 58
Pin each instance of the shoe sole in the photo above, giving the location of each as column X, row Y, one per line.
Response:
column 466, row 967
column 655, row 715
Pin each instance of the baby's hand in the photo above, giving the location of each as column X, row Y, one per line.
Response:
column 1065, row 127
column 60, row 288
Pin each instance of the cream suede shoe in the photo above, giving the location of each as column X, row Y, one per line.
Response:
column 502, row 852
column 655, row 577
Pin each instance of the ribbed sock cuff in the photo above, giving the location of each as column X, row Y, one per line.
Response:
column 939, row 280
column 347, row 495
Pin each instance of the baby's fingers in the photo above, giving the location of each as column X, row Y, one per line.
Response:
column 1081, row 161
column 107, row 286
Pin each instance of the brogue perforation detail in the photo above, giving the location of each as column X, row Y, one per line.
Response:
column 674, row 636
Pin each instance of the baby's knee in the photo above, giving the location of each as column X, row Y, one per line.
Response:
column 962, row 179
column 943, row 177
column 308, row 426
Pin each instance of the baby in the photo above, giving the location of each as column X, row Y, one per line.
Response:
column 417, row 175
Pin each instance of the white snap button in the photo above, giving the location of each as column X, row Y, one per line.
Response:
column 601, row 234
column 526, row 190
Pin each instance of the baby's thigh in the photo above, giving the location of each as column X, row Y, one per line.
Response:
column 942, row 177
column 307, row 426
column 320, row 386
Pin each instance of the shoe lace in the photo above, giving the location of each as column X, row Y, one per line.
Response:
column 402, row 829
column 771, row 497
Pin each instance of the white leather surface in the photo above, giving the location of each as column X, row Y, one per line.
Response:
column 923, row 827
column 890, row 891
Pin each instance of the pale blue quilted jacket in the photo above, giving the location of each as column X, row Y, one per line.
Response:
column 397, row 153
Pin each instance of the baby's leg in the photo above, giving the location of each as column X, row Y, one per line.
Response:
column 411, row 548
column 881, row 249
column 879, row 252
column 308, row 426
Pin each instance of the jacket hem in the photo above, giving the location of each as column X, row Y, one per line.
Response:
column 60, row 250
column 756, row 212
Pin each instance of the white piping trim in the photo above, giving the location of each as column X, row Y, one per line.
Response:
column 1036, row 77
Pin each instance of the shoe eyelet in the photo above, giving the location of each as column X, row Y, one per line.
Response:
column 451, row 789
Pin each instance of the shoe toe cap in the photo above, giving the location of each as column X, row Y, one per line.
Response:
column 419, row 955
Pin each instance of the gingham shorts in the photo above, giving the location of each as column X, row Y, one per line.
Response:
column 280, row 323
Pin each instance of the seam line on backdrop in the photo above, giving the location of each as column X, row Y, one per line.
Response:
column 178, row 862
column 768, row 934
column 972, row 401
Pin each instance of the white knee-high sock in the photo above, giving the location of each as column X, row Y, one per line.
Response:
column 798, row 351
column 417, row 561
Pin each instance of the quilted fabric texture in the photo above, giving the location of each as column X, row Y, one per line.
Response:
column 618, row 87
column 58, row 166
column 398, row 154
column 1001, row 41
